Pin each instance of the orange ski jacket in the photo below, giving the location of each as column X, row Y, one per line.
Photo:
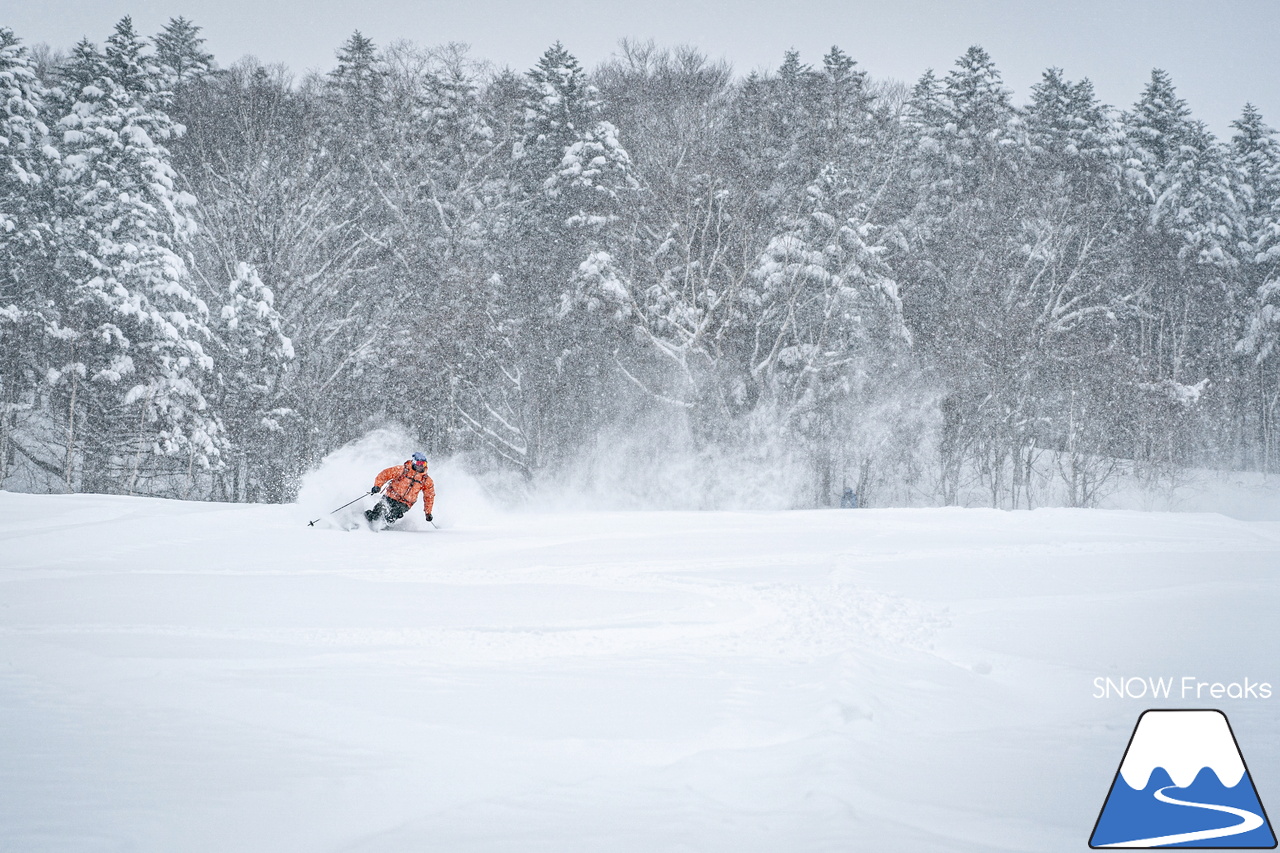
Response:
column 404, row 484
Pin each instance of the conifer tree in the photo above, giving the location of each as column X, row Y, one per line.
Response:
column 25, row 242
column 1076, row 244
column 963, row 246
column 251, row 355
column 360, row 80
column 180, row 53
column 569, row 172
column 827, row 311
column 1257, row 154
column 134, row 330
column 1190, row 315
column 569, row 159
column 410, row 236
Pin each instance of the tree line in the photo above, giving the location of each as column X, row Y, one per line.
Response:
column 210, row 278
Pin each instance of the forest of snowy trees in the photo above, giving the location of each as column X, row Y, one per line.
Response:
column 210, row 278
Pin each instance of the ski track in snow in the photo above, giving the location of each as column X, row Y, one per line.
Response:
column 213, row 677
column 1248, row 822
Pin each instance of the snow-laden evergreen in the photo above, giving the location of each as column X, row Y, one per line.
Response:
column 124, row 379
column 26, row 159
column 934, row 293
column 180, row 54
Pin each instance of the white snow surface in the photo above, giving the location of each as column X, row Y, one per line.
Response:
column 214, row 677
column 1183, row 743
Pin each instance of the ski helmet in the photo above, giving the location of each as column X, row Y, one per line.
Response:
column 418, row 461
column 419, row 456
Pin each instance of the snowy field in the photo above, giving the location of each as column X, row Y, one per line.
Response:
column 209, row 677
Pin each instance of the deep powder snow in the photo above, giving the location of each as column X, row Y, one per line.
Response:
column 210, row 677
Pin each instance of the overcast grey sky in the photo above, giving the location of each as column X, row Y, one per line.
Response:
column 1221, row 53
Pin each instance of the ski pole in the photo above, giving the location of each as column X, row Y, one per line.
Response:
column 344, row 506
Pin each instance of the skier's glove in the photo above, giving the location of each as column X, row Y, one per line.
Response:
column 374, row 490
column 428, row 516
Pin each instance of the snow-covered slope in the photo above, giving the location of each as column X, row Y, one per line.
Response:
column 205, row 677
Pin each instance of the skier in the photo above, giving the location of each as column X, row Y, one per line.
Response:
column 403, row 483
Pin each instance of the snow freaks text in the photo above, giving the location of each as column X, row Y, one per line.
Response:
column 1186, row 687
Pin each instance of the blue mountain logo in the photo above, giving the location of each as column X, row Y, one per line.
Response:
column 1183, row 783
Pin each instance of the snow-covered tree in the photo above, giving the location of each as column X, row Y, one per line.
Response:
column 1257, row 155
column 674, row 282
column 358, row 88
column 447, row 190
column 132, row 331
column 25, row 240
column 962, row 251
column 828, row 312
column 1072, row 297
column 1186, row 256
column 568, row 157
column 252, row 353
column 568, row 173
column 180, row 53
column 863, row 276
column 273, row 198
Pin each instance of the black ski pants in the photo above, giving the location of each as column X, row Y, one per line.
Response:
column 390, row 508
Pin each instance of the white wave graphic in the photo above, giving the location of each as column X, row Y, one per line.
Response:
column 1249, row 821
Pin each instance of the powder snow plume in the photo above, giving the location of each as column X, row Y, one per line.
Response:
column 350, row 470
column 654, row 462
